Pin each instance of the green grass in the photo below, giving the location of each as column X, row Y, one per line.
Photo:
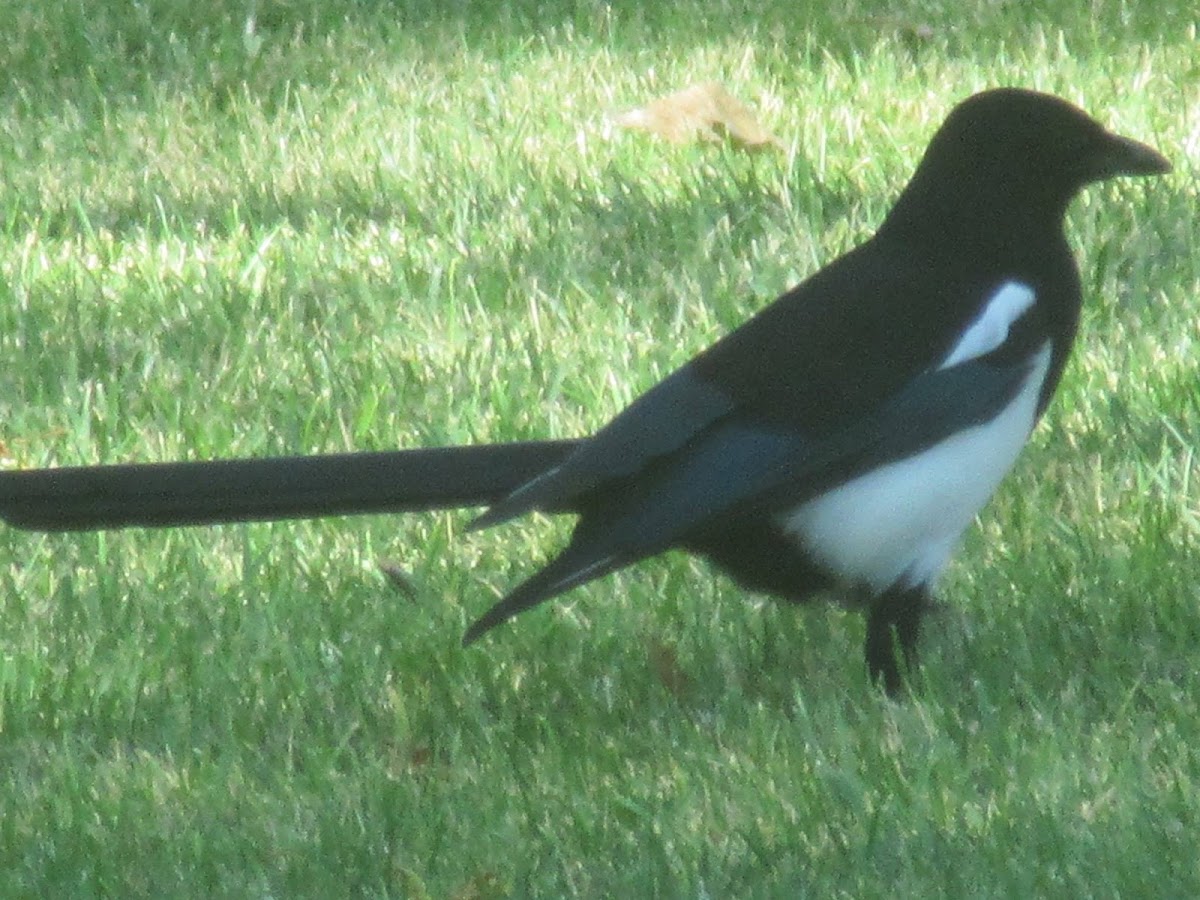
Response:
column 302, row 226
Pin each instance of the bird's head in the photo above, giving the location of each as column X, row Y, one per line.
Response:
column 1013, row 156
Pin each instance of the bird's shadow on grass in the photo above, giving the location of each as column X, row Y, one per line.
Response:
column 628, row 234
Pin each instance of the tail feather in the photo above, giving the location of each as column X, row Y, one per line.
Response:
column 573, row 567
column 157, row 495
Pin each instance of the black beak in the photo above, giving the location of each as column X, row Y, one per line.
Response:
column 1124, row 156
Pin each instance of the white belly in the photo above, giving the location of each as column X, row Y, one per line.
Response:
column 901, row 522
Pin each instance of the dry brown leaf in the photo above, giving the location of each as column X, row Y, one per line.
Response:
column 665, row 663
column 398, row 578
column 482, row 886
column 701, row 112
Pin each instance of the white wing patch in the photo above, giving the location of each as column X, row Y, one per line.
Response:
column 990, row 330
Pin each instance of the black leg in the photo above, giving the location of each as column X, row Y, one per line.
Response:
column 894, row 622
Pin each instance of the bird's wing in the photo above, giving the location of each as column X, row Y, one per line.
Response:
column 828, row 353
column 739, row 468
column 655, row 426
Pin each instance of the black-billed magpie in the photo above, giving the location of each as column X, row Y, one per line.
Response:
column 843, row 438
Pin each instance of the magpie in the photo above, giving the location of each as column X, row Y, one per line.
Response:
column 840, row 440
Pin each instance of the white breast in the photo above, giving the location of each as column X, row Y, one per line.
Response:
column 900, row 523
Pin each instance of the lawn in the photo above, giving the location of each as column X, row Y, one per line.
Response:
column 293, row 226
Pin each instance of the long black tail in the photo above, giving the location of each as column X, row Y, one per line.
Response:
column 163, row 495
